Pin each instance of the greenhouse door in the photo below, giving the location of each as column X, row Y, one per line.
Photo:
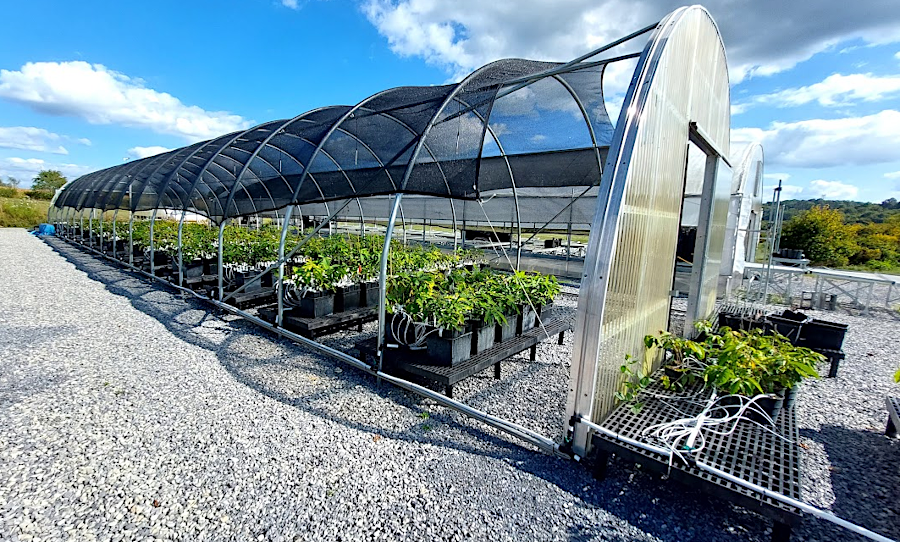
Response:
column 712, row 215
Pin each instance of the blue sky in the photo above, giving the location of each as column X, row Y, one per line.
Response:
column 85, row 85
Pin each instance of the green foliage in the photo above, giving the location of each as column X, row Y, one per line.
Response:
column 49, row 180
column 21, row 213
column 449, row 298
column 8, row 192
column 40, row 194
column 321, row 275
column 635, row 382
column 822, row 235
column 751, row 362
column 842, row 235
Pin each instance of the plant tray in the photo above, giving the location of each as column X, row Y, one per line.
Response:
column 750, row 453
column 316, row 327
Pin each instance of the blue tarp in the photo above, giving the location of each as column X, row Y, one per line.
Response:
column 45, row 229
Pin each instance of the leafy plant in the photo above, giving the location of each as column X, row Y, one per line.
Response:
column 635, row 382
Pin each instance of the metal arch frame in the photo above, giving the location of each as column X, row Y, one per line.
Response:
column 262, row 144
column 287, row 215
column 396, row 206
column 601, row 250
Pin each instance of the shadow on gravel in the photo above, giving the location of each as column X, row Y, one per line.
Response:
column 229, row 338
column 865, row 477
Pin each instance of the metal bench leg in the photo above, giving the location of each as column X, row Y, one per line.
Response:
column 560, row 341
column 448, row 391
column 781, row 532
column 835, row 362
column 601, row 464
column 891, row 429
column 359, row 327
column 497, row 370
column 534, row 353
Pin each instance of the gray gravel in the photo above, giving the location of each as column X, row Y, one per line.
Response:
column 131, row 412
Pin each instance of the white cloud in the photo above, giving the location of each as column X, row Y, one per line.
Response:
column 102, row 96
column 763, row 36
column 290, row 4
column 84, row 141
column 892, row 175
column 897, row 55
column 31, row 139
column 815, row 143
column 834, row 90
column 790, row 191
column 144, row 152
column 832, row 190
column 26, row 169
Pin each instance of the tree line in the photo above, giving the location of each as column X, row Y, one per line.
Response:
column 43, row 186
column 840, row 235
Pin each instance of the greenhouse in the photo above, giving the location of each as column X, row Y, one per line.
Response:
column 337, row 216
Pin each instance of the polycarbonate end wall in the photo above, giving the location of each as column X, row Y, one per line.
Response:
column 681, row 78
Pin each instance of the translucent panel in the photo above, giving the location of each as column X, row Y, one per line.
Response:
column 682, row 77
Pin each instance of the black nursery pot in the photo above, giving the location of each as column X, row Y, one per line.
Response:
column 789, row 328
column 770, row 405
column 346, row 298
column 790, row 397
column 193, row 269
column 527, row 319
column 506, row 331
column 449, row 348
column 823, row 335
column 368, row 296
column 316, row 304
column 482, row 336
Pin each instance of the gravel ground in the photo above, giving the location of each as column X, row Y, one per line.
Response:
column 131, row 412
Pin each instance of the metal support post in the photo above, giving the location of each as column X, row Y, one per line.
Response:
column 382, row 276
column 221, row 269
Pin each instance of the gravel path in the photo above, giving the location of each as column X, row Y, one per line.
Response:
column 130, row 412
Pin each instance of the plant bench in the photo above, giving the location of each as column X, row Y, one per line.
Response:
column 749, row 452
column 893, row 421
column 449, row 376
column 244, row 300
column 316, row 327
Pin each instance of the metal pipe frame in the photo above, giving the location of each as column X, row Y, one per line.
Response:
column 221, row 269
column 131, row 238
column 382, row 278
column 152, row 247
column 180, row 251
column 114, row 232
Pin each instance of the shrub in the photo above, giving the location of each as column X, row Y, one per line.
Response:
column 8, row 192
column 40, row 194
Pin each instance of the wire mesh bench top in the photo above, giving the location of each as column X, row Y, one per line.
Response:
column 750, row 453
column 448, row 376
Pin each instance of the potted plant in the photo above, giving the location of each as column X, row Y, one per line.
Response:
column 683, row 359
column 751, row 363
column 316, row 282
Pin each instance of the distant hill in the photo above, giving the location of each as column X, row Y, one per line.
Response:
column 855, row 212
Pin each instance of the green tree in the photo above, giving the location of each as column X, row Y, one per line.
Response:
column 48, row 180
column 13, row 182
column 822, row 235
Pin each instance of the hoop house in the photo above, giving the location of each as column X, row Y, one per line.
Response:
column 517, row 142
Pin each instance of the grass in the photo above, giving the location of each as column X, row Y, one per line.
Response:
column 22, row 213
